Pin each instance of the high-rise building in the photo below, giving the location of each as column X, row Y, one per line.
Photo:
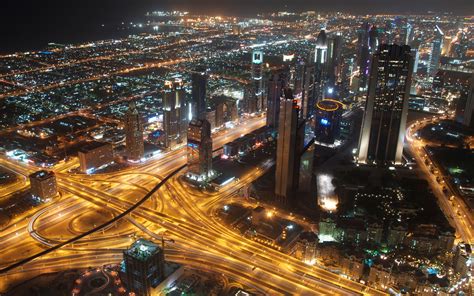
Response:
column 198, row 96
column 406, row 36
column 299, row 72
column 144, row 265
column 373, row 39
column 435, row 52
column 346, row 75
column 174, row 112
column 134, row 133
column 289, row 148
column 334, row 56
column 257, row 79
column 363, row 55
column 386, row 108
column 327, row 121
column 446, row 45
column 275, row 87
column 308, row 95
column 469, row 110
column 43, row 185
column 199, row 150
column 320, row 65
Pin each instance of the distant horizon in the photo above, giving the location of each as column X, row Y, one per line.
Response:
column 29, row 26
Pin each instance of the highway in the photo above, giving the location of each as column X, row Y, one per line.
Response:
column 462, row 222
column 177, row 211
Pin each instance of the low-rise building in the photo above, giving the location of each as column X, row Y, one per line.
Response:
column 95, row 155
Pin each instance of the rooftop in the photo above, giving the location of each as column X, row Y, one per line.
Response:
column 143, row 249
column 42, row 175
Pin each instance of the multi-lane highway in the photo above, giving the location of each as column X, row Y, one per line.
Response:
column 178, row 211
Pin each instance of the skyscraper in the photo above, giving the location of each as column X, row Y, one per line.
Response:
column 257, row 80
column 308, row 95
column 373, row 39
column 275, row 87
column 289, row 147
column 198, row 96
column 134, row 133
column 363, row 56
column 435, row 52
column 386, row 108
column 469, row 109
column 320, row 65
column 174, row 112
column 199, row 150
column 144, row 265
column 334, row 56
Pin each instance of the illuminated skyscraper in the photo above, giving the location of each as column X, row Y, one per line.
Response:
column 320, row 65
column 373, row 39
column 134, row 133
column 275, row 87
column 174, row 112
column 308, row 94
column 363, row 56
column 144, row 265
column 435, row 52
column 257, row 79
column 346, row 73
column 289, row 148
column 386, row 108
column 198, row 97
column 334, row 56
column 199, row 150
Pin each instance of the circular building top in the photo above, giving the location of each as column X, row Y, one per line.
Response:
column 329, row 105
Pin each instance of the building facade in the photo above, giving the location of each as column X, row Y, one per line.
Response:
column 198, row 94
column 289, row 147
column 43, row 185
column 174, row 112
column 327, row 121
column 199, row 150
column 144, row 267
column 276, row 84
column 134, row 143
column 386, row 108
column 257, row 80
column 95, row 155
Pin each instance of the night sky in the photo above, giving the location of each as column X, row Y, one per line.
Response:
column 31, row 24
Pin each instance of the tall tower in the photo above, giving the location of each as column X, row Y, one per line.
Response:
column 174, row 112
column 308, row 95
column 436, row 46
column 334, row 56
column 199, row 150
column 468, row 119
column 386, row 108
column 373, row 39
column 275, row 87
column 198, row 97
column 289, row 147
column 257, row 79
column 320, row 65
column 363, row 55
column 134, row 133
